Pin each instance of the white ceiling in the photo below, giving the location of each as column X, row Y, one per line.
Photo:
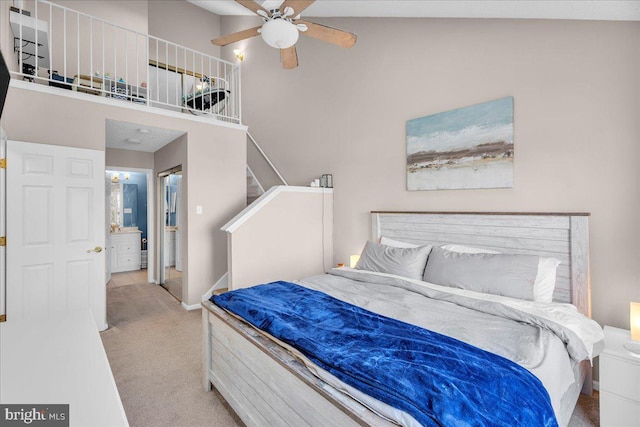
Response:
column 615, row 10
column 131, row 136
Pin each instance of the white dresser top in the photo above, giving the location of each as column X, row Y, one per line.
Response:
column 60, row 360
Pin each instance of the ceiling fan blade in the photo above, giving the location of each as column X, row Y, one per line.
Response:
column 328, row 34
column 289, row 58
column 252, row 6
column 297, row 5
column 236, row 37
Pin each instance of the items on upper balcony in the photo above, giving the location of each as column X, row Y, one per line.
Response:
column 30, row 41
column 206, row 97
column 63, row 48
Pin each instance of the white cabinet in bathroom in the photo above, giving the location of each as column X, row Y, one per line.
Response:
column 125, row 251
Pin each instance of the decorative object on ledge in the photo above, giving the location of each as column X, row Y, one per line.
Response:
column 326, row 180
column 467, row 148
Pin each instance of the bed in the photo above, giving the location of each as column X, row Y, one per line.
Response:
column 268, row 382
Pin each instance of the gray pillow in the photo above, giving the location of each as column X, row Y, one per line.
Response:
column 510, row 275
column 406, row 262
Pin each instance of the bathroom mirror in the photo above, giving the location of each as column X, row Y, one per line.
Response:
column 124, row 205
column 117, row 205
column 130, row 205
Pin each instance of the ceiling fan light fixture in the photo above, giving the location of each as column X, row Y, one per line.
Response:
column 279, row 33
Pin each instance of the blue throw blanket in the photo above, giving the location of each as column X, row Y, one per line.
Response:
column 437, row 379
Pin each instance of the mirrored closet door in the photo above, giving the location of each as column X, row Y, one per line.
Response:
column 171, row 233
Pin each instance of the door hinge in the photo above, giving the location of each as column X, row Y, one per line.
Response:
column 3, row 163
column 3, row 241
column 3, row 318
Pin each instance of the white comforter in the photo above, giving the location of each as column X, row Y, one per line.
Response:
column 541, row 337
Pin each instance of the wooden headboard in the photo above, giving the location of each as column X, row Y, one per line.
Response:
column 564, row 236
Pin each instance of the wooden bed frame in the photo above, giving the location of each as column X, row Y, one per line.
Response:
column 266, row 385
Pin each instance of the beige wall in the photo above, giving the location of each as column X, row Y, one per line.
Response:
column 185, row 24
column 215, row 177
column 576, row 90
column 131, row 14
column 288, row 238
column 217, row 183
column 128, row 158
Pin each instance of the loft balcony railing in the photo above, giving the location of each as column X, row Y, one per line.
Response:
column 61, row 47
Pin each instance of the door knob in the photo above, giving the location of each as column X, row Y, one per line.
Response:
column 97, row 249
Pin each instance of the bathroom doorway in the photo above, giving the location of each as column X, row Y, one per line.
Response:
column 129, row 195
column 171, row 232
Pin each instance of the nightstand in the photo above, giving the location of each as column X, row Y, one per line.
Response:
column 619, row 381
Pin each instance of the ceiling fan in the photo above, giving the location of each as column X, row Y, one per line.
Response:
column 281, row 28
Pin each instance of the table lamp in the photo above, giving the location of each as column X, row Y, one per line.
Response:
column 353, row 260
column 634, row 323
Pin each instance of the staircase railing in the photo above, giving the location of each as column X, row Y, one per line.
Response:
column 266, row 158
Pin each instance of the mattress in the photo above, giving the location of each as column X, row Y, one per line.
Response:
column 535, row 348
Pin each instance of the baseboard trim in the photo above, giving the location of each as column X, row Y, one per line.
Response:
column 191, row 307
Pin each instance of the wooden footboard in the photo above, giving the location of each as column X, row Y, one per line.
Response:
column 265, row 384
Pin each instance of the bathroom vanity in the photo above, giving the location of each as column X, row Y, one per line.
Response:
column 125, row 249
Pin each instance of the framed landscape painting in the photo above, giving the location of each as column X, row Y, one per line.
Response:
column 467, row 148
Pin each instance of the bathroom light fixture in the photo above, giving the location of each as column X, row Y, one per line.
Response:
column 279, row 33
column 143, row 131
column 133, row 141
column 239, row 54
column 126, row 176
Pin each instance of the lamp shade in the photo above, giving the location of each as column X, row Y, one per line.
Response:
column 353, row 260
column 279, row 33
column 634, row 320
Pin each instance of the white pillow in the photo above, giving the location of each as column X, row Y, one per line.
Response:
column 545, row 281
column 396, row 243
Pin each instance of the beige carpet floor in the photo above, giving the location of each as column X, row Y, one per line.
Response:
column 155, row 351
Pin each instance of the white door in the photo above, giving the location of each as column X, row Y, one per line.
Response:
column 55, row 231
